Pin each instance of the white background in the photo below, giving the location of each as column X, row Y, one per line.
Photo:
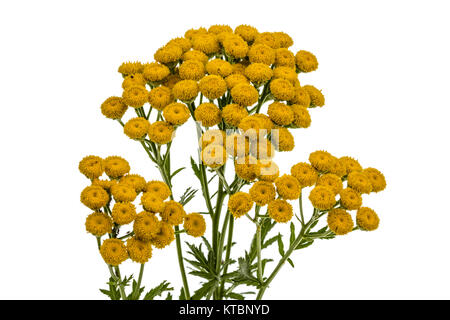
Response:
column 384, row 68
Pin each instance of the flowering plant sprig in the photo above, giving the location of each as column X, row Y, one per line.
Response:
column 223, row 79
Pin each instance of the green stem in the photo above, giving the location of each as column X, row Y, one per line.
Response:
column 138, row 286
column 118, row 278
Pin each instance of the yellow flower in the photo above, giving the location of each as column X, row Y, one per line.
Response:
column 160, row 97
column 113, row 108
column 316, row 96
column 194, row 224
column 98, row 224
column 280, row 210
column 155, row 72
column 262, row 192
column 173, row 213
column 340, row 221
column 176, row 113
column 239, row 68
column 322, row 198
column 208, row 114
column 171, row 81
column 376, row 178
column 301, row 97
column 195, row 55
column 235, row 79
column 113, row 251
column 105, row 184
column 145, row 226
column 260, row 53
column 350, row 164
column 244, row 94
column 280, row 113
column 219, row 67
column 367, row 219
column 258, row 73
column 306, row 61
column 219, row 28
column 268, row 170
column 133, row 80
column 123, row 192
column 169, row 53
column 359, row 181
column 305, row 174
column 321, row 160
column 123, row 213
column 262, row 148
column 185, row 90
column 338, row 168
column 136, row 128
column 160, row 188
column 152, row 202
column 192, row 70
column 284, row 40
column 164, row 236
column 192, row 33
column 284, row 58
column 282, row 89
column 214, row 156
column 206, row 43
column 266, row 123
column 237, row 145
column 302, row 118
column 139, row 251
column 116, row 167
column 331, row 181
column 248, row 33
column 350, row 199
column 285, row 73
column 268, row 39
column 128, row 68
column 135, row 96
column 252, row 126
column 136, row 181
column 239, row 204
column 161, row 132
column 247, row 168
column 282, row 139
column 233, row 114
column 183, row 43
column 94, row 197
column 212, row 86
column 91, row 167
column 288, row 187
column 236, row 47
column 212, row 137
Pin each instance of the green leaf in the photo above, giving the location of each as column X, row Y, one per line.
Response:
column 280, row 245
column 176, row 172
column 269, row 242
column 133, row 295
column 292, row 238
column 290, row 262
column 196, row 169
column 188, row 195
column 169, row 296
column 113, row 292
column 182, row 296
column 235, row 296
column 206, row 288
column 244, row 274
column 304, row 244
column 158, row 290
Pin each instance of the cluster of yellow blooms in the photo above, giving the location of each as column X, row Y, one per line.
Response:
column 124, row 188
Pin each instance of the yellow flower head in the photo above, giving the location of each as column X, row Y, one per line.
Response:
column 136, row 128
column 350, row 199
column 322, row 198
column 288, row 187
column 247, row 168
column 192, row 70
column 252, row 127
column 233, row 114
column 185, row 90
column 219, row 67
column 282, row 139
column 350, row 164
column 316, row 96
column 139, row 251
column 282, row 89
column 206, row 43
column 169, row 53
column 134, row 80
column 280, row 113
column 171, row 80
column 268, row 39
column 338, row 168
column 123, row 192
column 160, row 97
column 195, row 55
column 152, row 202
column 268, row 170
column 135, row 96
column 280, row 210
column 235, row 47
column 212, row 137
column 367, row 219
column 244, row 94
column 235, row 79
column 284, row 58
column 155, row 72
column 261, row 53
column 91, row 167
column 248, row 33
column 212, row 86
column 340, row 221
column 123, row 213
column 194, row 224
column 192, row 33
column 164, row 236
column 113, row 108
column 183, row 43
column 331, row 181
column 176, row 113
column 285, row 73
column 98, row 224
column 306, row 61
column 237, row 145
column 219, row 28
column 301, row 97
column 262, row 148
column 94, row 197
column 266, row 123
column 159, row 188
column 376, row 178
column 116, row 167
column 284, row 40
column 239, row 68
column 173, row 213
column 145, row 226
column 321, row 160
column 104, row 183
column 359, row 181
column 214, row 156
column 161, row 132
column 262, row 192
column 208, row 114
column 302, row 118
column 113, row 251
column 128, row 68
column 305, row 174
column 258, row 73
column 136, row 181
column 239, row 204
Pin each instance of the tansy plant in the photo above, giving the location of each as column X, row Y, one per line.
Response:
column 223, row 80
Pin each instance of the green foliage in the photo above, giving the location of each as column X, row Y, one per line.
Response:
column 158, row 291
